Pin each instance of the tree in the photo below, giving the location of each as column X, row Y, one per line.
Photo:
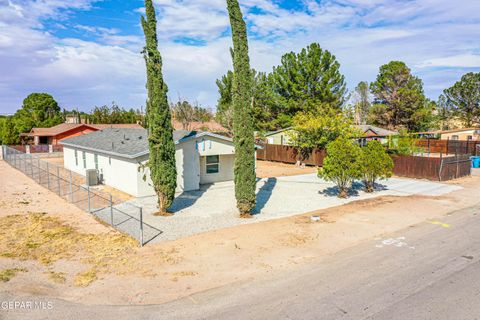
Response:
column 41, row 106
column 341, row 164
column 375, row 163
column 262, row 107
column 8, row 134
column 160, row 139
column 464, row 98
column 317, row 129
column 245, row 177
column 444, row 113
column 183, row 112
column 399, row 99
column 303, row 81
column 361, row 100
column 38, row 110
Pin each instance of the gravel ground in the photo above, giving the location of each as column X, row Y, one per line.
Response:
column 213, row 207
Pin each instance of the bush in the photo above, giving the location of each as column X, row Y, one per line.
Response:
column 341, row 164
column 375, row 163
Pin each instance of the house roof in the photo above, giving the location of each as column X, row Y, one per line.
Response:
column 377, row 130
column 364, row 128
column 211, row 126
column 128, row 143
column 456, row 130
column 278, row 131
column 65, row 127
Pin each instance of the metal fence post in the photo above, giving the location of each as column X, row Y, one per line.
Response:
column 58, row 181
column 39, row 173
column 111, row 210
column 88, row 193
column 71, row 190
column 48, row 177
column 141, row 227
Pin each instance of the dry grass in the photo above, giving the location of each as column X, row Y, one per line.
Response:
column 83, row 279
column 7, row 274
column 57, row 277
column 46, row 239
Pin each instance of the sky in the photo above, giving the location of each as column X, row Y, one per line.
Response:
column 87, row 53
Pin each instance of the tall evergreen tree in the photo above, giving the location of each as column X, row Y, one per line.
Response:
column 464, row 99
column 399, row 99
column 160, row 139
column 306, row 80
column 245, row 178
column 361, row 102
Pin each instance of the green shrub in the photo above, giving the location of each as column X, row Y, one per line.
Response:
column 375, row 163
column 341, row 164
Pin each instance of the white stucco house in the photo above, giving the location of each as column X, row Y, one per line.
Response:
column 118, row 155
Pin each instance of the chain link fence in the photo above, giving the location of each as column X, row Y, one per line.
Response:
column 124, row 216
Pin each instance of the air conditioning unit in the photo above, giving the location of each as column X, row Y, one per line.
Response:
column 92, row 177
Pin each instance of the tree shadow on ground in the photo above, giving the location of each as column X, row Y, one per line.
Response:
column 188, row 198
column 334, row 191
column 353, row 191
column 264, row 194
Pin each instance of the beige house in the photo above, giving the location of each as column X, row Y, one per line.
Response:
column 282, row 137
column 118, row 155
column 464, row 134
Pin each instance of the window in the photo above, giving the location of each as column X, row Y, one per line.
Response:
column 84, row 157
column 76, row 158
column 212, row 164
column 469, row 138
column 95, row 159
column 110, row 160
column 454, row 137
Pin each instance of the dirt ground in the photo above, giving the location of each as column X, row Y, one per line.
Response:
column 170, row 270
column 268, row 169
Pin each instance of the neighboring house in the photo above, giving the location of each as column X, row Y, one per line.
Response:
column 54, row 135
column 374, row 133
column 464, row 134
column 120, row 154
column 282, row 137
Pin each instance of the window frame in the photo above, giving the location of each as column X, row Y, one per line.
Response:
column 76, row 158
column 212, row 164
column 84, row 158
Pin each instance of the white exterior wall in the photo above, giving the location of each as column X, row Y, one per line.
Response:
column 123, row 174
column 188, row 170
column 225, row 170
column 109, row 167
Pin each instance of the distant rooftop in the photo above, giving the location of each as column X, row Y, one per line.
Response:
column 64, row 127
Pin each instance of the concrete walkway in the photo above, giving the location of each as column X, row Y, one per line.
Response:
column 213, row 207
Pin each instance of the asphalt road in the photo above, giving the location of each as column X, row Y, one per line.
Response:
column 428, row 271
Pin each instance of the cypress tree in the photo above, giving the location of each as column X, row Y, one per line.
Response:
column 160, row 139
column 245, row 178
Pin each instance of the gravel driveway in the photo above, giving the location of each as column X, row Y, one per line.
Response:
column 213, row 207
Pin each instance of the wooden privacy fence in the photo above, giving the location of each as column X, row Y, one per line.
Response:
column 288, row 154
column 448, row 146
column 432, row 168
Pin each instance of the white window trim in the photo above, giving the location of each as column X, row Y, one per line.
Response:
column 210, row 164
column 84, row 159
column 76, row 158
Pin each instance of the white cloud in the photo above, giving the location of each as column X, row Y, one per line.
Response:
column 363, row 34
column 458, row 61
